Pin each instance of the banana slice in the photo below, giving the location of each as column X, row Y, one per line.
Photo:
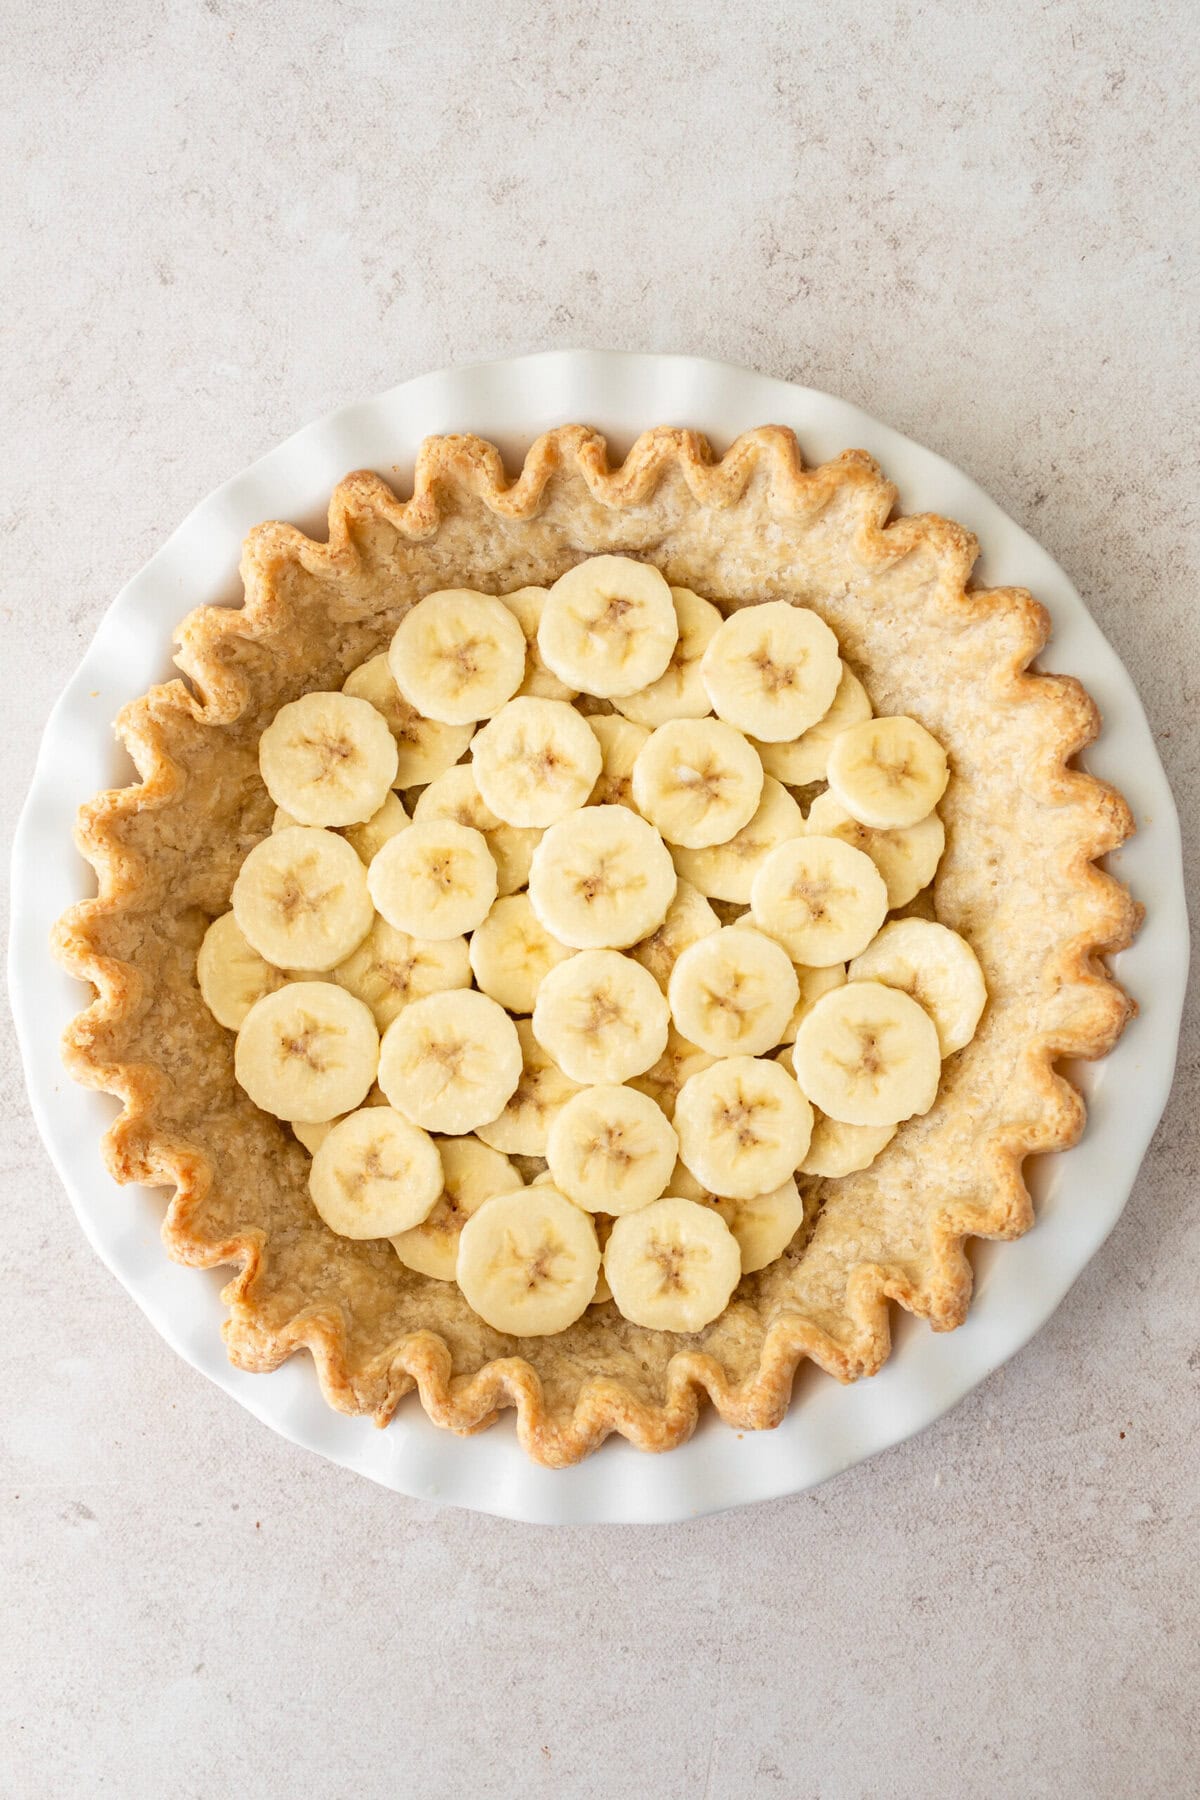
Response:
column 535, row 762
column 451, row 1061
column 231, row 973
column 455, row 795
column 512, row 952
column 312, row 1134
column 328, row 759
column 611, row 1150
column 608, row 627
column 369, row 838
column 540, row 1095
column 799, row 761
column 471, row 1174
column 907, row 858
column 888, row 773
column 663, row 1080
column 733, row 992
column 698, row 781
column 744, row 1126
column 601, row 879
column 620, row 741
column 837, row 1149
column 602, row 1017
column 813, row 983
column 281, row 820
column 820, row 898
column 689, row 918
column 763, row 1226
column 374, row 1174
column 435, row 880
column 457, row 656
column 868, row 1055
column 672, row 1266
column 936, row 967
column 726, row 871
column 684, row 1186
column 772, row 670
column 679, row 693
column 527, row 605
column 528, row 1262
column 301, row 899
column 390, row 969
column 425, row 748
column 307, row 1052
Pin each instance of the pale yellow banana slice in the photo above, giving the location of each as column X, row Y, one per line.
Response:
column 528, row 1262
column 608, row 627
column 328, row 759
column 425, row 748
column 868, row 1055
column 471, row 1174
column 888, row 773
column 820, row 898
column 511, row 953
column 726, row 871
column 906, row 858
column 301, row 899
column 602, row 1017
column 698, row 781
column 680, row 692
column 527, row 605
column 689, row 918
column 672, row 1266
column 733, row 992
column 390, row 969
column 836, row 1149
column 375, row 1174
column 663, row 1079
column 813, row 983
column 743, row 1125
column 535, row 761
column 281, row 820
column 934, row 965
column 620, row 742
column 369, row 838
column 436, row 880
column 611, row 1150
column 543, row 1090
column 307, row 1052
column 455, row 795
column 231, row 974
column 765, row 1225
column 799, row 761
column 684, row 1186
column 458, row 656
column 772, row 670
column 601, row 879
column 312, row 1134
column 451, row 1061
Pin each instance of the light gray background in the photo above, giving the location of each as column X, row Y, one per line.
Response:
column 220, row 221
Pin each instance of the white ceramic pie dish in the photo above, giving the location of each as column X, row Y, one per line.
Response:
column 1080, row 1194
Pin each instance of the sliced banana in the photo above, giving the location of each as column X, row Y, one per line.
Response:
column 301, row 899
column 281, row 820
column 672, row 1266
column 813, row 983
column 765, row 1225
column 820, row 898
column 611, row 1150
column 698, row 781
column 836, row 1149
column 455, row 795
column 436, row 880
column 307, row 1052
column 772, row 670
column 457, row 656
column 601, row 879
column 471, row 1174
column 369, row 838
column 744, row 1127
column 726, row 871
column 868, row 1055
column 528, row 1262
column 527, row 605
column 888, row 773
column 521, row 1129
column 689, row 918
column 801, row 760
column 679, row 693
column 451, row 1061
column 425, row 748
column 535, row 761
column 934, row 965
column 602, row 1017
column 328, row 759
column 684, row 1186
column 608, row 627
column 231, row 974
column 374, row 1174
column 512, row 952
column 663, row 1079
column 733, row 992
column 906, row 858
column 620, row 742
column 312, row 1134
column 390, row 969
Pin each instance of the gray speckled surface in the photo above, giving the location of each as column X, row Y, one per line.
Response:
column 219, row 222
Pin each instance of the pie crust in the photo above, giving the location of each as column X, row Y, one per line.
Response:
column 1018, row 880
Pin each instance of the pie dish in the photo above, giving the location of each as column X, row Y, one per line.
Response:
column 1018, row 879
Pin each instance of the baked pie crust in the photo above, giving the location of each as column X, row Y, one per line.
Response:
column 1018, row 880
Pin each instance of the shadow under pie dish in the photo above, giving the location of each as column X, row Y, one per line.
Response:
column 1015, row 881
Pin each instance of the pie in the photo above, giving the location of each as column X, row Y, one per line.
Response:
column 588, row 942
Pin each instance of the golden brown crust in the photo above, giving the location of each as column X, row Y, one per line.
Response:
column 1025, row 829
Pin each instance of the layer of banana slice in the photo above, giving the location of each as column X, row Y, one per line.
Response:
column 679, row 693
column 425, row 748
column 868, row 1055
column 743, row 1125
column 328, row 759
column 390, row 969
column 663, row 1079
column 837, row 1149
column 368, row 839
column 733, row 992
column 528, row 1262
column 803, row 760
column 907, row 858
column 457, row 656
column 301, row 899
column 689, row 918
column 231, row 974
column 813, row 983
column 527, row 605
column 601, row 879
column 307, row 1052
column 535, row 761
column 541, row 1093
column 375, row 1174
column 698, row 782
column 772, row 670
column 455, row 795
column 611, row 1150
column 511, row 953
column 763, row 1226
column 726, row 871
column 672, row 1266
column 602, row 1017
column 471, row 1174
column 620, row 742
column 436, row 880
column 312, row 1133
column 934, row 965
column 818, row 897
column 887, row 773
column 451, row 1061
column 608, row 627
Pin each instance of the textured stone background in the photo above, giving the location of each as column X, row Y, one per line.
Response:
column 220, row 221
